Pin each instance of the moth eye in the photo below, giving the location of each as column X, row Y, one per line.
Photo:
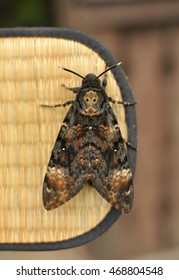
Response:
column 94, row 100
column 86, row 99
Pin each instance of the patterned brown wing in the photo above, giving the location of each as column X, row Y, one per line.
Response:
column 61, row 183
column 114, row 179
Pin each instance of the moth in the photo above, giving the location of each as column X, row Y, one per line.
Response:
column 89, row 149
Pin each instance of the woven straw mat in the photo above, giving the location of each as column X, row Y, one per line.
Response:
column 30, row 76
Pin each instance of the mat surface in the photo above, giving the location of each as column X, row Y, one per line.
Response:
column 30, row 76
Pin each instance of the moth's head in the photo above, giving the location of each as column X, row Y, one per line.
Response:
column 91, row 97
column 91, row 81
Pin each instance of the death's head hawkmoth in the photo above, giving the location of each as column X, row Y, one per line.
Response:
column 89, row 149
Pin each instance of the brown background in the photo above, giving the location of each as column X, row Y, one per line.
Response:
column 144, row 35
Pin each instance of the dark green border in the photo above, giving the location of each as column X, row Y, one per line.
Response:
column 120, row 77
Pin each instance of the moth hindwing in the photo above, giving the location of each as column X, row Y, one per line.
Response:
column 89, row 150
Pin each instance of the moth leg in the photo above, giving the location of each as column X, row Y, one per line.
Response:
column 128, row 144
column 69, row 102
column 110, row 99
column 74, row 89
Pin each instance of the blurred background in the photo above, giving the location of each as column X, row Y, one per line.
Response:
column 144, row 35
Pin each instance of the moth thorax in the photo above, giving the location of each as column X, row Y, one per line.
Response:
column 91, row 97
column 90, row 100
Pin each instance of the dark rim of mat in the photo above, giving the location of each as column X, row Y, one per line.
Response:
column 122, row 82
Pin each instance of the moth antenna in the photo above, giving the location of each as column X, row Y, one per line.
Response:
column 71, row 72
column 111, row 67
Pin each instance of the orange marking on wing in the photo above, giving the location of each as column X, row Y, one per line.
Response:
column 96, row 162
column 56, row 180
column 111, row 134
column 55, row 189
column 121, row 180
